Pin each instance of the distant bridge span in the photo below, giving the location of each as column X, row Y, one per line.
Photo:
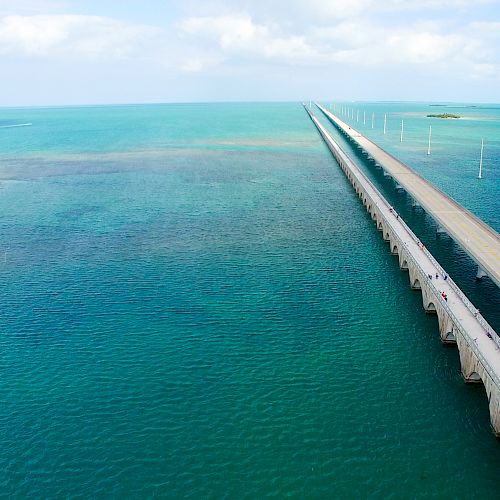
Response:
column 479, row 241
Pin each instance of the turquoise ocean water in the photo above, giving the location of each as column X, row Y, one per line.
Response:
column 195, row 304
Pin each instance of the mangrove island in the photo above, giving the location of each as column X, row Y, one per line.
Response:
column 443, row 115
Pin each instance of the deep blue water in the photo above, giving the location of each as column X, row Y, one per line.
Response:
column 195, row 304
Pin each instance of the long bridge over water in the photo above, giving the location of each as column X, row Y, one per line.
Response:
column 479, row 240
column 459, row 321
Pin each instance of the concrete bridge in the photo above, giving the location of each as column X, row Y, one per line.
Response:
column 459, row 321
column 479, row 241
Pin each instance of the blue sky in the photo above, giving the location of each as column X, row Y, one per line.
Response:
column 123, row 51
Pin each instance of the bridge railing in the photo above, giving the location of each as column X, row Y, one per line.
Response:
column 470, row 306
column 456, row 321
column 381, row 202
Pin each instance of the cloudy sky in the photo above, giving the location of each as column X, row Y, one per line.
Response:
column 122, row 51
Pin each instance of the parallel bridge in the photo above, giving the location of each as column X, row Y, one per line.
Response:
column 479, row 241
column 459, row 321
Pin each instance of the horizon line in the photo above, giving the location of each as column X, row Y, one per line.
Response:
column 300, row 101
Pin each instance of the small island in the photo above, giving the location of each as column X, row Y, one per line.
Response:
column 443, row 115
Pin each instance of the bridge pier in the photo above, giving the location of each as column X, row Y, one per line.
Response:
column 480, row 274
column 440, row 230
column 403, row 261
column 447, row 328
column 429, row 299
column 474, row 372
column 415, row 278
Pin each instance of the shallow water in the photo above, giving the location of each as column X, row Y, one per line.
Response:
column 195, row 304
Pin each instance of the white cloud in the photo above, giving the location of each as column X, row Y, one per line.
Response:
column 335, row 9
column 30, row 6
column 199, row 63
column 369, row 44
column 423, row 47
column 194, row 65
column 239, row 42
column 239, row 35
column 91, row 37
column 433, row 4
column 321, row 12
column 362, row 42
column 342, row 9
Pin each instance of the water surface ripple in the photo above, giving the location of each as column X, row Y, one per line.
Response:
column 208, row 312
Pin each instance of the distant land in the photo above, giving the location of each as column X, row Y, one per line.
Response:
column 443, row 115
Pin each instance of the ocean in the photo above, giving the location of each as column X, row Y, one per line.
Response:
column 195, row 304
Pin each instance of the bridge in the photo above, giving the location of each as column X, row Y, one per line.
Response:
column 459, row 321
column 477, row 239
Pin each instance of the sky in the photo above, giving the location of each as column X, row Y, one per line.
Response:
column 59, row 52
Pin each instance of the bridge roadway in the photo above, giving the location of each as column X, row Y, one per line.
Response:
column 459, row 321
column 479, row 241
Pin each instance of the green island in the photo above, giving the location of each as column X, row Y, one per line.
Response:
column 443, row 115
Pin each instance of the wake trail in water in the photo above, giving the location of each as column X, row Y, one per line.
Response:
column 18, row 125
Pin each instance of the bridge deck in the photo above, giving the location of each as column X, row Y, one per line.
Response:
column 480, row 241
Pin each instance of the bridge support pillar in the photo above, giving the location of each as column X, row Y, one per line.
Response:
column 440, row 230
column 473, row 378
column 403, row 261
column 494, row 406
column 447, row 328
column 428, row 298
column 480, row 273
column 415, row 278
column 474, row 372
